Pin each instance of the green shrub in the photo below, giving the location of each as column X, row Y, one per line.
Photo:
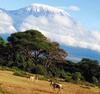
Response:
column 21, row 73
column 76, row 76
column 5, row 68
column 43, row 78
column 40, row 69
column 67, row 76
column 68, row 79
column 94, row 80
column 62, row 74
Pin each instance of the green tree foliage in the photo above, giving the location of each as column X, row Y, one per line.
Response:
column 94, row 80
column 33, row 52
column 3, row 51
column 35, row 46
column 40, row 69
column 68, row 77
column 2, row 41
column 89, row 68
column 76, row 76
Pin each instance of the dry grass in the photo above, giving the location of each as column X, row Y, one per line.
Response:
column 10, row 84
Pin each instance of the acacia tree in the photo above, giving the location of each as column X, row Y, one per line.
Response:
column 56, row 55
column 35, row 46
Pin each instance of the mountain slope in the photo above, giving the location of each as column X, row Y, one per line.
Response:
column 54, row 23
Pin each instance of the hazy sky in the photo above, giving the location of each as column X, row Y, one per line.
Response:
column 86, row 12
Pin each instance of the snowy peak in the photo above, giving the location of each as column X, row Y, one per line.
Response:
column 42, row 9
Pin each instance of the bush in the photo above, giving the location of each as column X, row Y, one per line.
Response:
column 43, row 78
column 5, row 68
column 54, row 71
column 62, row 74
column 94, row 80
column 40, row 69
column 76, row 76
column 21, row 73
column 68, row 77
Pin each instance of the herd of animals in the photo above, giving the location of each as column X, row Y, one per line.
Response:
column 54, row 85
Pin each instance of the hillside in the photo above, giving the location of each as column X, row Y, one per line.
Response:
column 10, row 84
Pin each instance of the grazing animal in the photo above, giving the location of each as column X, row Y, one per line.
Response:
column 32, row 78
column 55, row 85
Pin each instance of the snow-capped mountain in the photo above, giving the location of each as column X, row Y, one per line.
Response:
column 54, row 23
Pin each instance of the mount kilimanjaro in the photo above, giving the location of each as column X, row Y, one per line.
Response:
column 56, row 24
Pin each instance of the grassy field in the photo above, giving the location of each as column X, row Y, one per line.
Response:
column 10, row 84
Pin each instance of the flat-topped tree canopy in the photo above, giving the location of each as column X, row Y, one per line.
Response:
column 35, row 43
column 32, row 39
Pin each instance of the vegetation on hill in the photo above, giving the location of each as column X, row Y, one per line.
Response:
column 33, row 52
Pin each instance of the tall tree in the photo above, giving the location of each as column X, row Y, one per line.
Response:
column 37, row 47
column 89, row 69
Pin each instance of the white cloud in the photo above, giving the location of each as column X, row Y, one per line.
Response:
column 73, row 8
column 64, row 30
column 6, row 23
